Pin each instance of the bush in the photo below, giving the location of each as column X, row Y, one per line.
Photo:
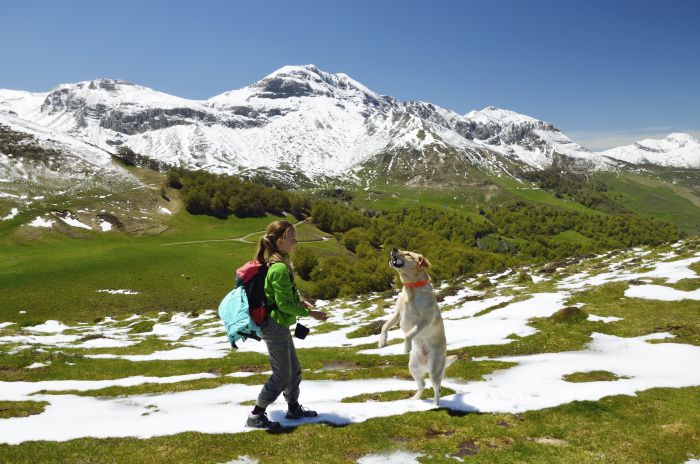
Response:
column 305, row 261
column 141, row 327
column 326, row 289
column 523, row 278
column 570, row 314
column 221, row 196
column 358, row 235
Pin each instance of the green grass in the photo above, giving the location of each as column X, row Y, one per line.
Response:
column 142, row 326
column 592, row 376
column 21, row 408
column 189, row 266
column 325, row 327
column 571, row 236
column 58, row 277
column 501, row 305
column 395, row 395
column 525, row 191
column 372, row 328
column 393, row 196
column 487, row 191
column 655, row 198
column 641, row 316
column 308, row 233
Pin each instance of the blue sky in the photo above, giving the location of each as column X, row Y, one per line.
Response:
column 605, row 72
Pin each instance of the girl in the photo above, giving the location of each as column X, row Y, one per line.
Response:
column 284, row 306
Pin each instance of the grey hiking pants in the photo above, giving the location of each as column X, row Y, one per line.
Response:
column 286, row 371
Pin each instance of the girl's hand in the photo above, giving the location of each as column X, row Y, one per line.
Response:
column 307, row 304
column 318, row 315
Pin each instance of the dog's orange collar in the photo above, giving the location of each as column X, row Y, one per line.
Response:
column 416, row 284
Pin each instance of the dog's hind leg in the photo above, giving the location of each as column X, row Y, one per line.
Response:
column 436, row 369
column 417, row 365
column 437, row 365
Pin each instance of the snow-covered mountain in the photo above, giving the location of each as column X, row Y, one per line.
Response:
column 36, row 160
column 298, row 119
column 50, row 179
column 300, row 123
column 676, row 150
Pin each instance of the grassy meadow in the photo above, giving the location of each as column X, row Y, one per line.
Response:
column 187, row 268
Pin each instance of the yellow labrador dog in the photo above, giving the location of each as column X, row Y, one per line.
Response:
column 421, row 322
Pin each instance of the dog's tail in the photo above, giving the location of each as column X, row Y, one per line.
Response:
column 449, row 360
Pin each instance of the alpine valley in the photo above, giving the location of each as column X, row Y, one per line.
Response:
column 301, row 127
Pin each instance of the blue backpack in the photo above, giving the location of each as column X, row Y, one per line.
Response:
column 244, row 308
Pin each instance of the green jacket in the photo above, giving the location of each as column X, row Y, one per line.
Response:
column 282, row 296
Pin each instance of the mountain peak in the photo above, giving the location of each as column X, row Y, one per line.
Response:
column 676, row 149
column 674, row 139
column 296, row 70
column 99, row 96
column 317, row 79
column 110, row 85
column 680, row 138
column 492, row 114
column 296, row 81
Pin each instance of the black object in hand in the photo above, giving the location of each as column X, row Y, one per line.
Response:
column 301, row 331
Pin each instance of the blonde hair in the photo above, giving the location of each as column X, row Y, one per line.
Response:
column 267, row 247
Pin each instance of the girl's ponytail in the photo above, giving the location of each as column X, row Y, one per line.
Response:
column 267, row 247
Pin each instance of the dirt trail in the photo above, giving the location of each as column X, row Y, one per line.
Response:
column 241, row 239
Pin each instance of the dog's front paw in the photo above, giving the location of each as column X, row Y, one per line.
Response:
column 382, row 340
column 407, row 346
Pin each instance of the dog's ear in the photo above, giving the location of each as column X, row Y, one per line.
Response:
column 423, row 262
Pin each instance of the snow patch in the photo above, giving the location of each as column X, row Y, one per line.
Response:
column 49, row 326
column 397, row 457
column 242, row 460
column 672, row 271
column 73, row 221
column 166, row 355
column 41, row 222
column 105, row 343
column 121, row 291
column 660, row 292
column 105, row 226
column 13, row 212
column 37, row 365
column 594, row 318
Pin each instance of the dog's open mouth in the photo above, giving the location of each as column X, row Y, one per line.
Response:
column 396, row 260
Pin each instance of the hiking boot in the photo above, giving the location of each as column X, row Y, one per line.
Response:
column 260, row 421
column 299, row 411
